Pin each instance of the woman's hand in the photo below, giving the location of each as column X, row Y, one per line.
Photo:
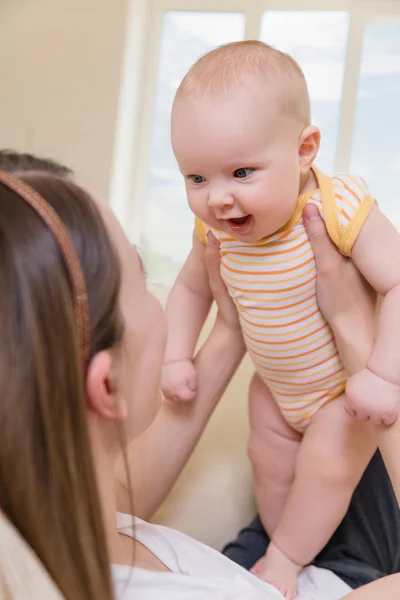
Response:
column 226, row 309
column 344, row 297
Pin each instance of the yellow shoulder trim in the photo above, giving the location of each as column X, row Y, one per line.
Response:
column 329, row 206
column 356, row 224
column 344, row 240
column 200, row 230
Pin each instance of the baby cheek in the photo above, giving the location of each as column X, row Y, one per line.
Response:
column 198, row 204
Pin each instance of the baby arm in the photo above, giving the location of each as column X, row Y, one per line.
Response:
column 187, row 308
column 374, row 392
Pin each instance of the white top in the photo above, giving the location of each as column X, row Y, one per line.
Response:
column 201, row 573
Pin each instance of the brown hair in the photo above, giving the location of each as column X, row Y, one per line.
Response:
column 233, row 66
column 15, row 162
column 47, row 481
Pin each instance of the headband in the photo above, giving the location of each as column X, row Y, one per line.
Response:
column 57, row 228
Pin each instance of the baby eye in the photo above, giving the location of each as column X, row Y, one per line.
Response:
column 196, row 178
column 242, row 173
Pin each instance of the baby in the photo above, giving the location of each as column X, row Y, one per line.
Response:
column 242, row 137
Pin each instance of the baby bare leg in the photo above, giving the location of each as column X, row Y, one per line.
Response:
column 332, row 458
column 272, row 450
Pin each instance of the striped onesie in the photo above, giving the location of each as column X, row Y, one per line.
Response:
column 273, row 284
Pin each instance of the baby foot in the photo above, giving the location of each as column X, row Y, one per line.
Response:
column 278, row 570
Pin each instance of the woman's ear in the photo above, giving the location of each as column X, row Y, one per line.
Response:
column 101, row 389
column 308, row 147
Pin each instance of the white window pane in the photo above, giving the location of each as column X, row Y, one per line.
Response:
column 376, row 146
column 317, row 41
column 168, row 225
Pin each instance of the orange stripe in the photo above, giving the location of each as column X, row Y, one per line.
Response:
column 278, row 241
column 260, row 281
column 280, row 307
column 293, row 405
column 280, row 334
column 287, row 324
column 289, row 289
column 354, row 181
column 301, row 362
column 281, row 272
column 294, row 355
column 223, row 239
column 346, row 201
column 308, row 413
column 274, row 317
column 292, row 383
column 267, row 253
column 321, row 392
column 274, row 300
column 299, row 339
column 312, row 366
column 318, row 404
column 285, row 234
column 352, row 192
column 344, row 213
column 283, row 352
column 281, row 261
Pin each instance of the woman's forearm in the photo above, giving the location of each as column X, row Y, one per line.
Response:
column 387, row 588
column 166, row 446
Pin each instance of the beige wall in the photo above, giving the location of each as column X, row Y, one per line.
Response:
column 60, row 67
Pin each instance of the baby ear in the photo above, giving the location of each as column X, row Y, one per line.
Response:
column 101, row 389
column 308, row 147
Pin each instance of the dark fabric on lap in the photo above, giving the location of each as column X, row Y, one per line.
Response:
column 366, row 545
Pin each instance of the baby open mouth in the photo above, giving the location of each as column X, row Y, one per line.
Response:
column 239, row 223
column 240, row 220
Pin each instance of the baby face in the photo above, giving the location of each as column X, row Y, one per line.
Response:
column 240, row 160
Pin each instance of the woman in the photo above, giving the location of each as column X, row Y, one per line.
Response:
column 71, row 395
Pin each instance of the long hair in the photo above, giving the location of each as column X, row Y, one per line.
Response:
column 48, row 488
column 22, row 575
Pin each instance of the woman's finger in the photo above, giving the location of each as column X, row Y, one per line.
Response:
column 325, row 252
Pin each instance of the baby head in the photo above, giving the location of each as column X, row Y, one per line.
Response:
column 242, row 137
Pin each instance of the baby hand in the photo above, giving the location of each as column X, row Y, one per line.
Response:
column 278, row 570
column 179, row 381
column 369, row 397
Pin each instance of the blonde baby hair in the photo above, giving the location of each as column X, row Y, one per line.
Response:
column 233, row 66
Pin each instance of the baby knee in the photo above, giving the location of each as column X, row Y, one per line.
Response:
column 337, row 471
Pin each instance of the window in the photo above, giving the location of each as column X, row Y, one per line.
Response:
column 350, row 53
column 317, row 41
column 376, row 142
column 168, row 222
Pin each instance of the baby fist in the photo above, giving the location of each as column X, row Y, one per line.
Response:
column 179, row 381
column 369, row 397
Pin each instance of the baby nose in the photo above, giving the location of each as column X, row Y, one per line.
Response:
column 220, row 199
